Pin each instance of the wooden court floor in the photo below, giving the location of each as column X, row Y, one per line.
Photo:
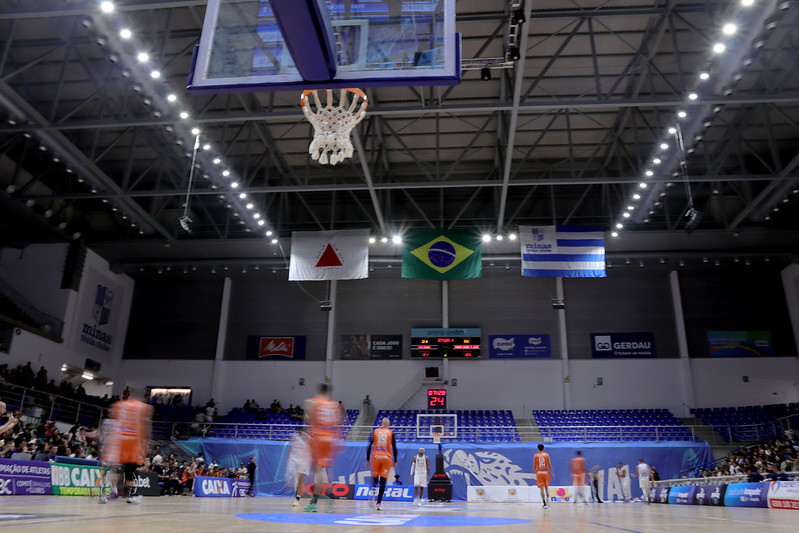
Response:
column 32, row 514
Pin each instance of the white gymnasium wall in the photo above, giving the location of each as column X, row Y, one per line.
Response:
column 520, row 386
column 43, row 352
column 35, row 272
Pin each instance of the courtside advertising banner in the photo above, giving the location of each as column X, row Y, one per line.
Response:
column 24, row 477
column 623, row 345
column 519, row 346
column 239, row 488
column 682, row 495
column 394, row 493
column 146, row 483
column 213, row 487
column 325, row 255
column 659, row 494
column 746, row 495
column 76, row 480
column 783, row 495
column 710, row 495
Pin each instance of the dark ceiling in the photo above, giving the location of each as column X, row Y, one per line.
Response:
column 89, row 143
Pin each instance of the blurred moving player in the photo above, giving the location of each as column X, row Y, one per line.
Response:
column 127, row 443
column 298, row 464
column 324, row 416
column 578, row 477
column 543, row 471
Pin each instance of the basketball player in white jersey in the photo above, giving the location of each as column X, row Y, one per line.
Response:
column 624, row 481
column 644, row 475
column 420, row 473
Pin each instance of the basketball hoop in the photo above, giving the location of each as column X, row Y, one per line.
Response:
column 436, row 432
column 333, row 123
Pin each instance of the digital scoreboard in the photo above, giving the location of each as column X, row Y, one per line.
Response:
column 452, row 343
column 436, row 398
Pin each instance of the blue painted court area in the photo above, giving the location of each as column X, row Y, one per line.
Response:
column 388, row 520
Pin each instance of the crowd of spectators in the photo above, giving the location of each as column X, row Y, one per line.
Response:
column 294, row 412
column 768, row 460
column 25, row 376
column 45, row 441
column 176, row 477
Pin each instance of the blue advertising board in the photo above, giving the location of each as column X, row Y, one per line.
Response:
column 24, row 477
column 519, row 346
column 746, row 495
column 213, row 487
column 710, row 494
column 659, row 494
column 393, row 493
column 623, row 345
column 682, row 495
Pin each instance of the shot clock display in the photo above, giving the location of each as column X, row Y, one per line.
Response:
column 436, row 398
column 451, row 343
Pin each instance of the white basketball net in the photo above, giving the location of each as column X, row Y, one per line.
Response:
column 333, row 123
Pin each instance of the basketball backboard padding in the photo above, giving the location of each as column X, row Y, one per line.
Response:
column 374, row 43
column 308, row 34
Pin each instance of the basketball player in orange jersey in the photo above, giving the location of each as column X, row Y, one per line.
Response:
column 383, row 456
column 324, row 417
column 127, row 444
column 578, row 476
column 543, row 471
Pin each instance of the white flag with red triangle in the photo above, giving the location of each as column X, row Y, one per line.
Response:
column 323, row 255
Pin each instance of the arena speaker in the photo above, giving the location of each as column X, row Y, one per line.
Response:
column 73, row 265
column 694, row 218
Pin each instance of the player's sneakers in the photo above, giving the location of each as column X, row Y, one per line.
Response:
column 296, row 503
column 546, row 506
column 135, row 500
column 378, row 507
column 330, row 507
column 103, row 499
column 310, row 508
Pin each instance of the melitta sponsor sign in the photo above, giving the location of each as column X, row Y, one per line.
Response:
column 24, row 477
column 746, row 495
column 608, row 345
column 76, row 480
column 783, row 495
column 393, row 493
column 519, row 346
column 275, row 348
column 710, row 494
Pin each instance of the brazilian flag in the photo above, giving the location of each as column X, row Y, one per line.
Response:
column 442, row 254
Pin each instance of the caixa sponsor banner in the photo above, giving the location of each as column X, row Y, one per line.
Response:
column 746, row 495
column 394, row 493
column 213, row 487
column 24, row 477
column 76, row 480
column 340, row 491
column 783, row 495
column 710, row 494
column 682, row 495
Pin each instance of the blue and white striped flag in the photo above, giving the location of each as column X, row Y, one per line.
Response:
column 563, row 251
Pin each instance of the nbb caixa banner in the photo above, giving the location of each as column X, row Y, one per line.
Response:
column 221, row 487
column 76, row 480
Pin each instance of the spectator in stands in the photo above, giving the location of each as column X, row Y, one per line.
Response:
column 776, row 475
column 246, row 408
column 655, row 474
column 10, row 422
column 753, row 476
column 260, row 416
column 187, row 476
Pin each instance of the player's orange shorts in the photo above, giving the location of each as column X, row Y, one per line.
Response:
column 542, row 479
column 321, row 452
column 381, row 464
column 578, row 480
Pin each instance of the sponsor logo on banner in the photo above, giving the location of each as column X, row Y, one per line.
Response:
column 76, row 480
column 561, row 494
column 710, row 495
column 783, row 495
column 147, row 483
column 662, row 495
column 371, row 347
column 240, row 488
column 746, row 495
column 275, row 348
column 623, row 345
column 739, row 343
column 103, row 300
column 519, row 346
column 393, row 493
column 341, row 491
column 212, row 487
column 682, row 495
column 24, row 477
